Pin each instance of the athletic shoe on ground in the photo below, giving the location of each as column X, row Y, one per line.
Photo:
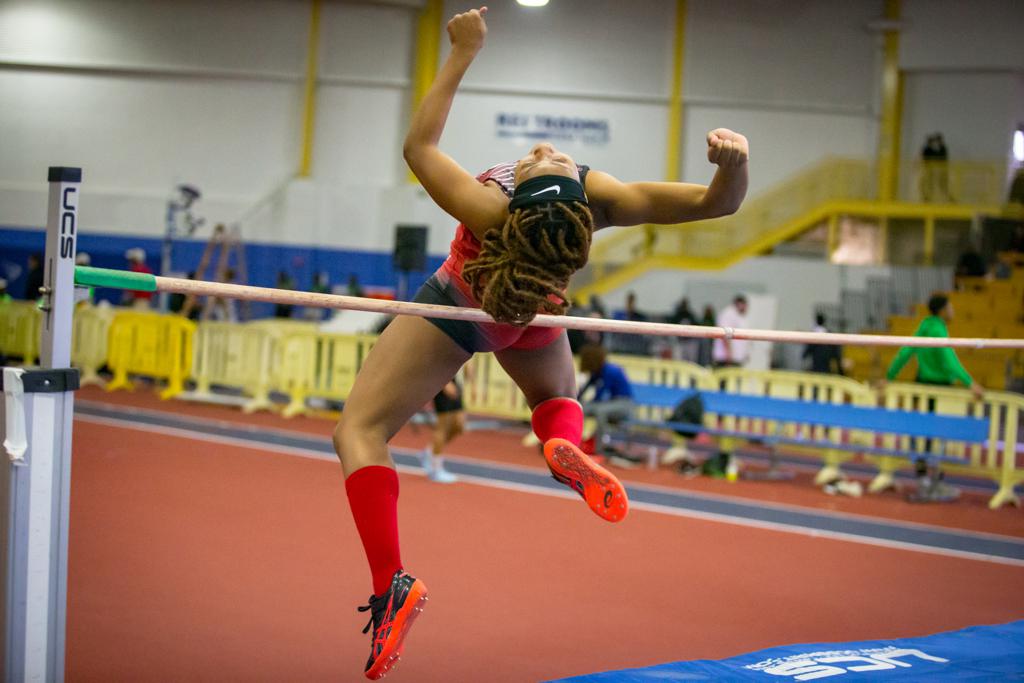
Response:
column 391, row 616
column 440, row 475
column 931, row 490
column 597, row 486
column 618, row 458
column 426, row 461
column 715, row 466
column 688, row 469
column 675, row 454
column 845, row 487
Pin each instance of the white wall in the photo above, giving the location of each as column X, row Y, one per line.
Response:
column 146, row 95
column 958, row 35
column 964, row 66
column 797, row 77
column 786, row 278
column 976, row 112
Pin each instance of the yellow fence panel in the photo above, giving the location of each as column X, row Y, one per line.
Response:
column 19, row 330
column 300, row 361
column 488, row 390
column 153, row 345
column 318, row 365
column 241, row 356
column 996, row 459
column 800, row 386
column 89, row 338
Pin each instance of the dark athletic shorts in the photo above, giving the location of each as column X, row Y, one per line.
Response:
column 478, row 337
column 443, row 403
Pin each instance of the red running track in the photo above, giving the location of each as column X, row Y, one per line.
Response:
column 197, row 561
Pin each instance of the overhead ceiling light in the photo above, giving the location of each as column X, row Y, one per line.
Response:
column 532, row 3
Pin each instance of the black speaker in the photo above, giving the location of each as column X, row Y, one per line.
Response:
column 410, row 248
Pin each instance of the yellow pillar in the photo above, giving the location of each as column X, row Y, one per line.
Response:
column 929, row 239
column 892, row 114
column 673, row 138
column 309, row 100
column 883, row 239
column 833, row 234
column 428, row 52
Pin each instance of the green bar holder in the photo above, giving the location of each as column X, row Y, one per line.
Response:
column 115, row 279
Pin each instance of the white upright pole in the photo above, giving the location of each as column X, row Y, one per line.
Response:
column 36, row 480
column 59, row 276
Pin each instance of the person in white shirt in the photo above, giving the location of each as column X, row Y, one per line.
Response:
column 732, row 352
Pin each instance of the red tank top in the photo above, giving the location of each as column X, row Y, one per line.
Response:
column 466, row 246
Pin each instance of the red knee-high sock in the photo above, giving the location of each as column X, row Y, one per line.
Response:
column 558, row 417
column 373, row 497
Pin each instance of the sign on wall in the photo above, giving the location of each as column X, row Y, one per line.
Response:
column 550, row 127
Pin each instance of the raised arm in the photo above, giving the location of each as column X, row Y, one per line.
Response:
column 454, row 189
column 665, row 203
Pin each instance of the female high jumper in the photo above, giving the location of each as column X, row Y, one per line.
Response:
column 524, row 228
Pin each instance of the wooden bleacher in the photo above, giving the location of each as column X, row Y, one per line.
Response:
column 982, row 307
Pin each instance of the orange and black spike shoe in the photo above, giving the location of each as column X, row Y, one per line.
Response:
column 391, row 616
column 601, row 489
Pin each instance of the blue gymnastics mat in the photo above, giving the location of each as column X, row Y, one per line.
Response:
column 978, row 653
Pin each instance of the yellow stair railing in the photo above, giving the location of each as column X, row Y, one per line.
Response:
column 825, row 190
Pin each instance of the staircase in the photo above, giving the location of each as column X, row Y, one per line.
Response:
column 822, row 193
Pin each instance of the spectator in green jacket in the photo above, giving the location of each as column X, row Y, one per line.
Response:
column 938, row 366
column 935, row 365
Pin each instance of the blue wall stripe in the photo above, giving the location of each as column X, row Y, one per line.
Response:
column 264, row 261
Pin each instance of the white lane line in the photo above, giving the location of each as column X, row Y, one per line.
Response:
column 530, row 488
column 703, row 495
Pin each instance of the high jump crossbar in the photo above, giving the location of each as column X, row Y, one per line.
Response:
column 101, row 277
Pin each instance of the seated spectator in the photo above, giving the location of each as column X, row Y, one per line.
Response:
column 732, row 352
column 284, row 281
column 34, row 279
column 1003, row 268
column 825, row 358
column 683, row 315
column 707, row 319
column 633, row 344
column 353, row 288
column 137, row 264
column 577, row 338
column 613, row 394
column 970, row 264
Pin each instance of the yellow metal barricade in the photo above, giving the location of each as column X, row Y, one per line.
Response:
column 19, row 330
column 996, row 459
column 240, row 356
column 800, row 386
column 488, row 390
column 152, row 345
column 666, row 373
column 89, row 339
column 318, row 365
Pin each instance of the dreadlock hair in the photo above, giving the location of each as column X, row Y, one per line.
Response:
column 523, row 269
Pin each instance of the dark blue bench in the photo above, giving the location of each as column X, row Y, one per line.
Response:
column 877, row 421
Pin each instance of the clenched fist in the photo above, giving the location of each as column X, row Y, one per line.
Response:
column 726, row 148
column 467, row 30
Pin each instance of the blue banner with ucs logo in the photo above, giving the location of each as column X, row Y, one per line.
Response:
column 978, row 653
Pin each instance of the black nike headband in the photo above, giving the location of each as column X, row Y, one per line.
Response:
column 547, row 188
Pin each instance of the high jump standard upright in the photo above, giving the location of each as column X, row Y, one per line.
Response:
column 35, row 480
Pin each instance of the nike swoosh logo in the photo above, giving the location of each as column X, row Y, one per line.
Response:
column 556, row 188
